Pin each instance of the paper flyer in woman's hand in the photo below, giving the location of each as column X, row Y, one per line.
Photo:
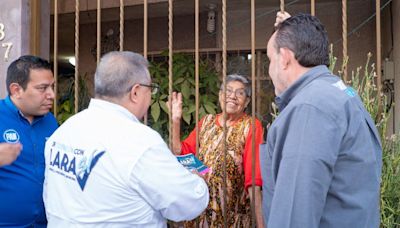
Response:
column 191, row 162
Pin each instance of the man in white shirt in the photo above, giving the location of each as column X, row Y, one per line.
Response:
column 104, row 168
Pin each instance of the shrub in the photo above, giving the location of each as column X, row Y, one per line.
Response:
column 184, row 82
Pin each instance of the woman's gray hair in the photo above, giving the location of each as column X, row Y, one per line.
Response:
column 118, row 71
column 239, row 78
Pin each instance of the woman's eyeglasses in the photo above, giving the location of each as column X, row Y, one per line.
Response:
column 154, row 87
column 239, row 93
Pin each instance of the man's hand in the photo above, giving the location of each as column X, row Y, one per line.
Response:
column 9, row 152
column 175, row 106
column 281, row 16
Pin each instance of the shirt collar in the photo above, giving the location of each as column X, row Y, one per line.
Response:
column 11, row 105
column 115, row 108
column 14, row 109
column 284, row 98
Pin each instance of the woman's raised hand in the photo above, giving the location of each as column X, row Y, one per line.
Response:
column 175, row 105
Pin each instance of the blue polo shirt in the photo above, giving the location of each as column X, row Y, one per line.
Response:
column 21, row 183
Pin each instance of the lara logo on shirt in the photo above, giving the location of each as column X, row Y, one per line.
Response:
column 73, row 163
column 11, row 136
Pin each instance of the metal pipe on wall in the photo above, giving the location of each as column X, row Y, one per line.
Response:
column 224, row 64
column 344, row 37
column 258, row 84
column 35, row 27
column 145, row 27
column 378, row 49
column 197, row 81
column 170, row 60
column 98, row 44
column 253, row 110
column 55, row 56
column 313, row 7
column 76, row 85
column 121, row 25
column 196, row 70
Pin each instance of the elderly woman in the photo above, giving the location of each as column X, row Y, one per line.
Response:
column 238, row 156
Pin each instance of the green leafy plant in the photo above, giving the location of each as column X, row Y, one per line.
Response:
column 364, row 81
column 184, row 82
column 66, row 100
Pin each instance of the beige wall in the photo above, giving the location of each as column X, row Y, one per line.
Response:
column 359, row 43
column 133, row 38
column 14, row 15
column 68, row 6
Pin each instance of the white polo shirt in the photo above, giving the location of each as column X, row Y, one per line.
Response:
column 106, row 169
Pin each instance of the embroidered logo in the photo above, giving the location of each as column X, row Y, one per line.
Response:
column 11, row 136
column 85, row 168
column 340, row 85
column 73, row 164
column 348, row 90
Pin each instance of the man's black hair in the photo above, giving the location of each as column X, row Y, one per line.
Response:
column 306, row 36
column 18, row 71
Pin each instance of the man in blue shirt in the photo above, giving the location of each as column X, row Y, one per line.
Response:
column 25, row 120
column 321, row 165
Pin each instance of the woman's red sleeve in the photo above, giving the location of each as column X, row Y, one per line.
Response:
column 188, row 146
column 247, row 156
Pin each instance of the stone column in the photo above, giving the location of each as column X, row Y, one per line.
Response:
column 396, row 60
column 15, row 17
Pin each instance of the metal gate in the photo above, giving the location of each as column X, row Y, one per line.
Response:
column 220, row 54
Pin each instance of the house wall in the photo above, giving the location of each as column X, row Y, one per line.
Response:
column 133, row 38
column 14, row 17
column 330, row 14
column 360, row 42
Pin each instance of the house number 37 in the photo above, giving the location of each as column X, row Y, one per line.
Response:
column 6, row 45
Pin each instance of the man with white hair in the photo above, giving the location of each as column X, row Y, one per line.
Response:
column 104, row 168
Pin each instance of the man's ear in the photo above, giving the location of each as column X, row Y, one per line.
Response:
column 134, row 93
column 287, row 57
column 15, row 90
